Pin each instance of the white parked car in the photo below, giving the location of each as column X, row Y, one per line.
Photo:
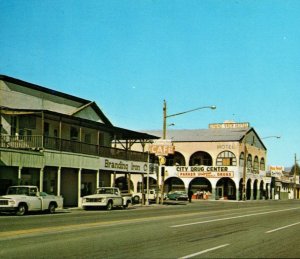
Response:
column 107, row 197
column 24, row 198
column 137, row 197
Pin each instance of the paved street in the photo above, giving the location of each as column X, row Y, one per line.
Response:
column 202, row 229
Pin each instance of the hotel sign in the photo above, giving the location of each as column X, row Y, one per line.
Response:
column 229, row 125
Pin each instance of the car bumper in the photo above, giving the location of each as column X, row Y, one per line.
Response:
column 93, row 204
column 8, row 209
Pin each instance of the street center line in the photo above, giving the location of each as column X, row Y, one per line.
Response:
column 203, row 252
column 276, row 229
column 229, row 218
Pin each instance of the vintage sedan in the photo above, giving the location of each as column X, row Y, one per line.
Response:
column 178, row 196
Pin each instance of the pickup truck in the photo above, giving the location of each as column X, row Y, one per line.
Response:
column 106, row 197
column 137, row 197
column 24, row 198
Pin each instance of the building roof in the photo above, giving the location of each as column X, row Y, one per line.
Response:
column 204, row 135
column 57, row 93
column 120, row 133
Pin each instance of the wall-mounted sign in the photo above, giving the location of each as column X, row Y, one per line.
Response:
column 204, row 171
column 162, row 147
column 125, row 166
column 276, row 171
column 205, row 174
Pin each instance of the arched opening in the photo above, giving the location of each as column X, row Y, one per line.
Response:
column 122, row 184
column 200, row 158
column 267, row 190
column 249, row 163
column 152, row 183
column 256, row 165
column 261, row 191
column 248, row 190
column 176, row 159
column 226, row 158
column 255, row 189
column 173, row 184
column 241, row 189
column 226, row 189
column 201, row 188
column 242, row 159
column 262, row 164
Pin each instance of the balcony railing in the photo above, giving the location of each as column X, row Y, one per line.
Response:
column 21, row 142
column 36, row 143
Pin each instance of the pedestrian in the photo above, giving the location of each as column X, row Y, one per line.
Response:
column 190, row 194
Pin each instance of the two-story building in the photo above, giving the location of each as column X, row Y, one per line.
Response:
column 63, row 143
column 225, row 161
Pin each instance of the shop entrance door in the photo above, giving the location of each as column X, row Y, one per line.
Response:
column 220, row 192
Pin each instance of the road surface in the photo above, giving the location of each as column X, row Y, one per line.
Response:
column 202, row 229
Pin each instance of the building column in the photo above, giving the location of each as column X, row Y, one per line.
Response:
column 129, row 182
column 252, row 194
column 237, row 194
column 97, row 178
column 113, row 184
column 19, row 175
column 58, row 181
column 41, row 179
column 258, row 194
column 79, row 187
column 213, row 190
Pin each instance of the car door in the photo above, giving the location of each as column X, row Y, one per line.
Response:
column 35, row 202
column 118, row 200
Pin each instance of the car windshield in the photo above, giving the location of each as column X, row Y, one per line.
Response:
column 104, row 191
column 18, row 190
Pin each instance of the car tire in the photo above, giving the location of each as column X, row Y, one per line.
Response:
column 51, row 208
column 126, row 205
column 136, row 199
column 22, row 209
column 109, row 205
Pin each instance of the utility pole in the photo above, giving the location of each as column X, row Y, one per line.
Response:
column 295, row 172
column 164, row 135
column 244, row 170
column 162, row 168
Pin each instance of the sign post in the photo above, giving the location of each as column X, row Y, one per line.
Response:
column 162, row 148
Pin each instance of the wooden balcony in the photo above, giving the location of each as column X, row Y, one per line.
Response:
column 38, row 143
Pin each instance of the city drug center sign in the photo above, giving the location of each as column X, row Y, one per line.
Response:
column 204, row 171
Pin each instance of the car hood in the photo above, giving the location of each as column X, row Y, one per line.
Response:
column 98, row 195
column 13, row 196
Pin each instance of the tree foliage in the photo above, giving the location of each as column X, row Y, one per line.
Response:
column 297, row 169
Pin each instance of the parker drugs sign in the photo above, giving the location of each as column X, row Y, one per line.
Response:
column 162, row 147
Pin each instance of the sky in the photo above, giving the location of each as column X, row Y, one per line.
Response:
column 243, row 56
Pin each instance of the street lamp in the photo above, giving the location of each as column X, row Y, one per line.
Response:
column 295, row 172
column 165, row 116
column 271, row 137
